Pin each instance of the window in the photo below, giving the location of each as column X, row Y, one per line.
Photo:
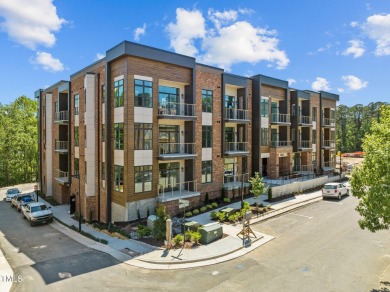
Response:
column 207, row 171
column 76, row 168
column 293, row 135
column 85, row 100
column 207, row 136
column 143, row 179
column 76, row 136
column 293, row 109
column 143, row 93
column 103, row 170
column 264, row 107
column 314, row 137
column 76, row 104
column 104, row 93
column 143, row 136
column 333, row 114
column 118, row 93
column 103, row 133
column 314, row 113
column 264, row 137
column 118, row 178
column 119, row 136
column 207, row 101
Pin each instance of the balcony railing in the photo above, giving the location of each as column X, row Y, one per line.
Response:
column 305, row 144
column 61, row 116
column 329, row 164
column 61, row 146
column 236, row 114
column 176, row 148
column 303, row 167
column 329, row 144
column 176, row 109
column 304, row 120
column 328, row 122
column 280, row 143
column 236, row 146
column 280, row 118
column 177, row 190
column 62, row 176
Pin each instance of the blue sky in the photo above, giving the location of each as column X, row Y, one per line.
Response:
column 337, row 46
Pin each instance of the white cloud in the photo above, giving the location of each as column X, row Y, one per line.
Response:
column 227, row 41
column 291, row 81
column 356, row 49
column 322, row 49
column 320, row 84
column 377, row 27
column 246, row 11
column 341, row 90
column 30, row 22
column 354, row 83
column 139, row 31
column 189, row 25
column 354, row 24
column 99, row 56
column 48, row 63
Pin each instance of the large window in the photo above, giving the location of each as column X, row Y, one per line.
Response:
column 168, row 98
column 103, row 170
column 207, row 171
column 143, row 178
column 207, row 136
column 76, row 136
column 143, row 92
column 264, row 137
column 118, row 93
column 314, row 114
column 76, row 104
column 104, row 93
column 119, row 136
column 314, row 137
column 264, row 107
column 143, row 136
column 118, row 178
column 207, row 101
column 76, row 168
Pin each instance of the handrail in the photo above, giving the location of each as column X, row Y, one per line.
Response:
column 330, row 164
column 61, row 145
column 61, row 116
column 280, row 118
column 188, row 186
column 305, row 144
column 328, row 122
column 305, row 120
column 236, row 146
column 176, row 148
column 236, row 114
column 236, row 178
column 176, row 109
column 329, row 143
column 280, row 143
column 62, row 174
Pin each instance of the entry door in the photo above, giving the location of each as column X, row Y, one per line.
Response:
column 264, row 166
column 169, row 176
column 229, row 170
column 230, row 138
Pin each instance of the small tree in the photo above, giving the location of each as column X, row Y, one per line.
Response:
column 258, row 186
column 159, row 228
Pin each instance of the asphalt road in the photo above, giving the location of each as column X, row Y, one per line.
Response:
column 318, row 247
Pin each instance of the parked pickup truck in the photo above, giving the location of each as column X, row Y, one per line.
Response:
column 37, row 213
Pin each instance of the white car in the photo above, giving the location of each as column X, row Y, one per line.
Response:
column 335, row 190
column 11, row 193
column 37, row 213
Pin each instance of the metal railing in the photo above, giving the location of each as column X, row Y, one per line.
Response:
column 62, row 174
column 178, row 189
column 329, row 164
column 280, row 143
column 176, row 148
column 61, row 116
column 303, row 167
column 61, row 145
column 305, row 144
column 236, row 146
column 236, row 114
column 239, row 178
column 280, row 118
column 305, row 120
column 176, row 109
column 328, row 122
column 329, row 143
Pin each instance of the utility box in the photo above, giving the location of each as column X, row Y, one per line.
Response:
column 150, row 221
column 192, row 225
column 228, row 211
column 210, row 233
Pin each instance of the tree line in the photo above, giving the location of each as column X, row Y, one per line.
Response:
column 18, row 142
column 354, row 123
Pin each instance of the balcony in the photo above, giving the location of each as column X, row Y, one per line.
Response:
column 236, row 148
column 280, row 119
column 179, row 111
column 62, row 177
column 171, row 151
column 305, row 145
column 328, row 144
column 304, row 121
column 61, row 146
column 236, row 115
column 177, row 191
column 326, row 122
column 61, row 117
column 328, row 166
column 231, row 182
column 303, row 168
column 280, row 143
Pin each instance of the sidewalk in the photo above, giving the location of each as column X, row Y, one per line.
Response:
column 136, row 253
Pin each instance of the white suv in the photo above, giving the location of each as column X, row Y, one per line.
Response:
column 335, row 190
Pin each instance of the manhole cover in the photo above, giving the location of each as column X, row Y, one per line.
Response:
column 65, row 275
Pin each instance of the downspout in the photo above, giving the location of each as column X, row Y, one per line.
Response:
column 108, row 143
column 98, row 142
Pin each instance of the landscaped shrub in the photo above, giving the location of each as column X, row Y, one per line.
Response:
column 195, row 236
column 232, row 218
column 187, row 235
column 159, row 227
column 210, row 206
column 226, row 200
column 213, row 215
column 188, row 214
column 143, row 231
column 178, row 239
column 213, row 205
column 195, row 212
column 203, row 209
column 221, row 216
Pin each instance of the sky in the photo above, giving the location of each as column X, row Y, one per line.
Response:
column 337, row 46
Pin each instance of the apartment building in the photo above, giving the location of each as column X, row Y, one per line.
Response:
column 144, row 126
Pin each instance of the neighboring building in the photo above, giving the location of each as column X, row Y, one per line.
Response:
column 144, row 126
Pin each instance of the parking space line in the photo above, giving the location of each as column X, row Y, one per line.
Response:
column 309, row 217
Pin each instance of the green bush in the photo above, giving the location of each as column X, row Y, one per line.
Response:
column 232, row 218
column 159, row 227
column 213, row 205
column 178, row 239
column 195, row 236
column 210, row 206
column 195, row 211
column 143, row 231
column 187, row 235
column 221, row 216
column 203, row 209
column 246, row 207
column 213, row 215
column 188, row 214
column 226, row 200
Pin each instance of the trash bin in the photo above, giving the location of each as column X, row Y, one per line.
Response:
column 150, row 221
